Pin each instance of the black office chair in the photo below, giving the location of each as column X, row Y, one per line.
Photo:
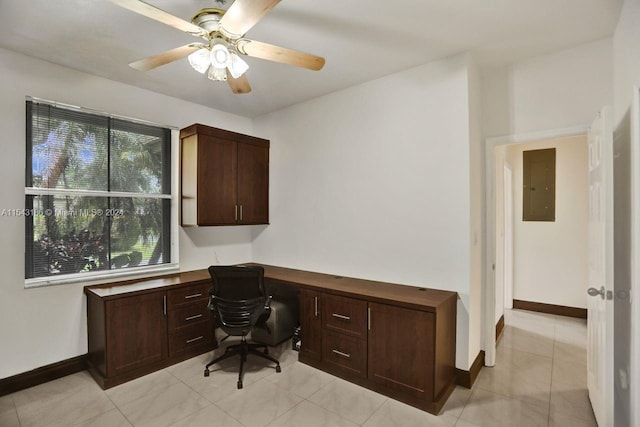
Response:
column 240, row 301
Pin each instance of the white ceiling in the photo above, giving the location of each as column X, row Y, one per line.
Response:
column 361, row 40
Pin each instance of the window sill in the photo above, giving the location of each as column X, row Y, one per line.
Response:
column 102, row 276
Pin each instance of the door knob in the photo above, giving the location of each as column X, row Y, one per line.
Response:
column 595, row 292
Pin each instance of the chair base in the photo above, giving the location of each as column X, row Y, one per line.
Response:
column 243, row 349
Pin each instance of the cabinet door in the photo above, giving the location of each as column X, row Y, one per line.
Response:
column 253, row 183
column 217, row 170
column 311, row 324
column 401, row 349
column 136, row 332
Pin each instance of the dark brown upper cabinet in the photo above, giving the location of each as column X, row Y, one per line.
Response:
column 539, row 185
column 224, row 177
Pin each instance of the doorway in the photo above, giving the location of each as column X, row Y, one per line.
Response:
column 496, row 249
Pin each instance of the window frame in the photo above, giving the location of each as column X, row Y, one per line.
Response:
column 170, row 224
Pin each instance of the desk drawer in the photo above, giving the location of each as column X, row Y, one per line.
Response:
column 188, row 294
column 188, row 315
column 345, row 352
column 345, row 315
column 197, row 335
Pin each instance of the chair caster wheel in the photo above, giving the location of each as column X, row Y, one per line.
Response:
column 206, row 372
column 239, row 384
column 278, row 368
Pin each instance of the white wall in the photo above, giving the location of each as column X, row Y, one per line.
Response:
column 46, row 325
column 626, row 184
column 374, row 182
column 551, row 258
column 555, row 91
column 626, row 53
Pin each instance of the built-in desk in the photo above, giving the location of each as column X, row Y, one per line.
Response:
column 394, row 339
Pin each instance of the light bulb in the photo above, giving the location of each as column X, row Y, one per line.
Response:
column 199, row 60
column 237, row 66
column 219, row 56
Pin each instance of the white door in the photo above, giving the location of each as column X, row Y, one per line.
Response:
column 600, row 306
column 508, row 237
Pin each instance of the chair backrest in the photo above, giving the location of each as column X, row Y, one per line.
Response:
column 237, row 283
column 238, row 296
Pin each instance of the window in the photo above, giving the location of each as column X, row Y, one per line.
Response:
column 98, row 193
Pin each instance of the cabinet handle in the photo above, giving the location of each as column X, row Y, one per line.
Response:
column 240, row 212
column 193, row 296
column 197, row 316
column 339, row 353
column 194, row 339
column 369, row 318
column 236, row 208
column 341, row 316
column 316, row 305
column 164, row 305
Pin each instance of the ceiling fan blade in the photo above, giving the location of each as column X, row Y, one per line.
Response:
column 163, row 58
column 160, row 15
column 239, row 85
column 244, row 14
column 279, row 54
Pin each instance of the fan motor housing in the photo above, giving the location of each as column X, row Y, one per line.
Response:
column 208, row 19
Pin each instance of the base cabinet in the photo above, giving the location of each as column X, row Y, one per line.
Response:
column 405, row 353
column 134, row 333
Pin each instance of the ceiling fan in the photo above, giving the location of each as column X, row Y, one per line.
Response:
column 224, row 35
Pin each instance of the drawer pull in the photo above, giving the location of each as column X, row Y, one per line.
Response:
column 340, row 316
column 339, row 353
column 197, row 316
column 193, row 296
column 194, row 339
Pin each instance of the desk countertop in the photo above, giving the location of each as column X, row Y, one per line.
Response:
column 148, row 284
column 409, row 296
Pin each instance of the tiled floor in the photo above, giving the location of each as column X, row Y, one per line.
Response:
column 539, row 380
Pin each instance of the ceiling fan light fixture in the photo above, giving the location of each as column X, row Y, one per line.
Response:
column 199, row 60
column 237, row 66
column 227, row 29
